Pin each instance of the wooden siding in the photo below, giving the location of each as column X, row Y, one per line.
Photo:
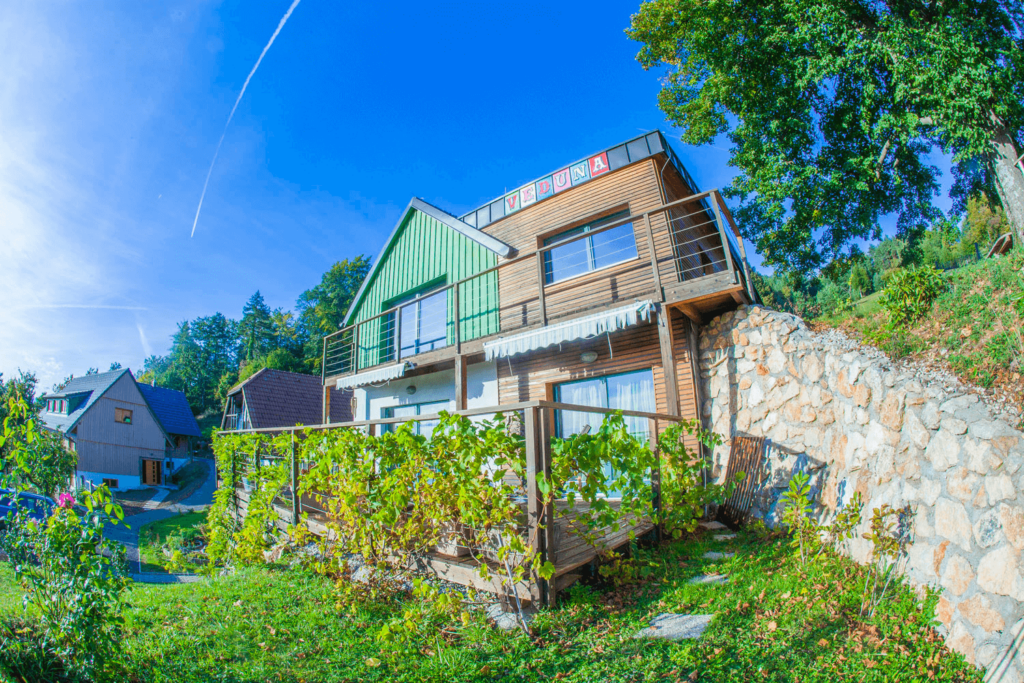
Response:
column 426, row 252
column 110, row 447
column 532, row 376
column 634, row 188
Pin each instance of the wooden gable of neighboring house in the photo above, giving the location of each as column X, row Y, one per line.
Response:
column 117, row 432
column 429, row 249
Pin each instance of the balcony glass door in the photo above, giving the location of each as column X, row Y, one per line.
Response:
column 422, row 325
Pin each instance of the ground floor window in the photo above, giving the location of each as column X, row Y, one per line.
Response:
column 110, row 483
column 412, row 410
column 626, row 391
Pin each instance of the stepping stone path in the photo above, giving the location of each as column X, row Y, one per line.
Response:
column 670, row 626
column 718, row 556
column 710, row 579
column 724, row 537
column 713, row 526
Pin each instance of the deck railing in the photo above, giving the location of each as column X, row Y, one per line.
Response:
column 547, row 536
column 684, row 243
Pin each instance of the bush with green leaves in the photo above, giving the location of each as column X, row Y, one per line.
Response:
column 391, row 499
column 909, row 293
column 74, row 578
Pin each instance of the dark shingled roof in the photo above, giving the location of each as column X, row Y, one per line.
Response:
column 277, row 398
column 171, row 409
column 89, row 388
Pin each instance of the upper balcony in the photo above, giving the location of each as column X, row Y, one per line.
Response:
column 686, row 253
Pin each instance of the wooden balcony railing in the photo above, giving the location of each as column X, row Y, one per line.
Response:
column 678, row 251
column 548, row 525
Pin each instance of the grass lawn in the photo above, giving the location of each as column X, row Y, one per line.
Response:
column 153, row 535
column 775, row 620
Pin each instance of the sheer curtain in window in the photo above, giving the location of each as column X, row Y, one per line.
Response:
column 634, row 391
column 587, row 393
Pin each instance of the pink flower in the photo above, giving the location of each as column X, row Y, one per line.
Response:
column 65, row 500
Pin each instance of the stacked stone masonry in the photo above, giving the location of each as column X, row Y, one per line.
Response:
column 854, row 421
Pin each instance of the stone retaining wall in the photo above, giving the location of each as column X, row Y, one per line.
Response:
column 897, row 434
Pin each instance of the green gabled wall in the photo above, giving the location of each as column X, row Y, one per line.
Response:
column 427, row 252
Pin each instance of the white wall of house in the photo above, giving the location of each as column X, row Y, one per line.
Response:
column 125, row 482
column 481, row 391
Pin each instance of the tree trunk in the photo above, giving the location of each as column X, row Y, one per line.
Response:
column 1009, row 182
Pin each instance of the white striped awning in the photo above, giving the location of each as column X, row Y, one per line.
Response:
column 384, row 374
column 579, row 328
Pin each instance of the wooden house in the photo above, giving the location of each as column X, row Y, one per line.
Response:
column 575, row 295
column 107, row 421
column 584, row 286
column 276, row 398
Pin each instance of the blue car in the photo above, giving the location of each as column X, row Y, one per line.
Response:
column 37, row 507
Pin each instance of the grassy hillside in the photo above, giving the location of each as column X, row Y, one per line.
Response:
column 774, row 620
column 974, row 328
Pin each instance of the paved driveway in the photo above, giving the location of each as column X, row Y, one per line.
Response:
column 127, row 532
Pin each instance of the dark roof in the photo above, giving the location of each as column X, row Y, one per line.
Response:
column 171, row 409
column 276, row 398
column 89, row 387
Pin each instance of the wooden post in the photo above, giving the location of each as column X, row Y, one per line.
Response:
column 725, row 240
column 296, row 501
column 668, row 359
column 461, row 390
column 693, row 342
column 547, row 425
column 533, row 498
column 540, row 288
column 654, row 257
column 455, row 306
column 652, row 425
column 234, row 482
column 354, row 361
column 326, row 411
column 398, row 334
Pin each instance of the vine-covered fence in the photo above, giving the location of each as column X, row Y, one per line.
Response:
column 488, row 498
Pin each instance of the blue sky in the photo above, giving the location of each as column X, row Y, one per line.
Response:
column 110, row 113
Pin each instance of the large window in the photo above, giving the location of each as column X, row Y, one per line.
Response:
column 628, row 391
column 418, row 326
column 411, row 411
column 591, row 253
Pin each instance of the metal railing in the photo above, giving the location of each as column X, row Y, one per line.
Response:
column 679, row 242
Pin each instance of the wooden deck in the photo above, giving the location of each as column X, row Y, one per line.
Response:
column 553, row 531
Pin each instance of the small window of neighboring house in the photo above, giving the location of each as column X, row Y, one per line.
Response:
column 591, row 253
column 110, row 483
column 123, row 415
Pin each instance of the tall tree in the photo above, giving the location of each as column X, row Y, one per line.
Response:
column 256, row 328
column 833, row 107
column 322, row 308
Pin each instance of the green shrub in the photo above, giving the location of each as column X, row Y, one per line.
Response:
column 910, row 292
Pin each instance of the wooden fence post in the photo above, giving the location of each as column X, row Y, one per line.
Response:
column 533, row 500
column 234, row 482
column 296, row 501
column 652, row 425
column 550, row 552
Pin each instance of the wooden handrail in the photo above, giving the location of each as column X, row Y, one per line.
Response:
column 503, row 408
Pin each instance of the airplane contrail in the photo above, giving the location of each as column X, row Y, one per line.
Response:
column 245, row 85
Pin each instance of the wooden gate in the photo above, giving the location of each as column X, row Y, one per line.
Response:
column 746, row 455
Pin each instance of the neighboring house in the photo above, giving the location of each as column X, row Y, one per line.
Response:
column 175, row 415
column 276, row 398
column 586, row 286
column 109, row 424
